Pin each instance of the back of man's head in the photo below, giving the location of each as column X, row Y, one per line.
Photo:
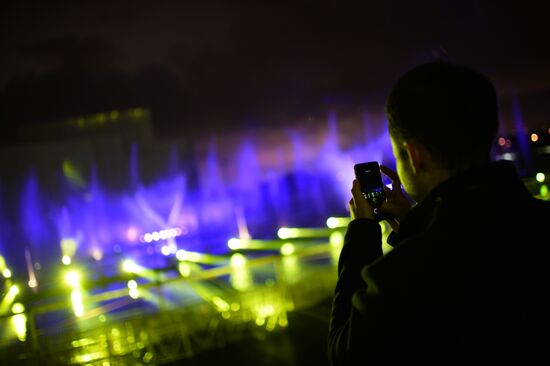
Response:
column 450, row 109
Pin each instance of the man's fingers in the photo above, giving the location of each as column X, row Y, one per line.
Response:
column 356, row 189
column 395, row 181
column 351, row 205
column 358, row 204
column 390, row 173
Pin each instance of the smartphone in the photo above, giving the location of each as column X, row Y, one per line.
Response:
column 369, row 177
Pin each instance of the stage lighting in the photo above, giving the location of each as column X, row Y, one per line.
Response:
column 133, row 289
column 66, row 260
column 7, row 301
column 237, row 260
column 336, row 239
column 129, row 265
column 540, row 177
column 78, row 306
column 72, row 278
column 233, row 243
column 6, row 273
column 287, row 249
column 165, row 250
column 181, row 255
column 14, row 289
column 335, row 222
column 134, row 293
column 284, row 233
column 184, row 269
column 17, row 308
column 19, row 325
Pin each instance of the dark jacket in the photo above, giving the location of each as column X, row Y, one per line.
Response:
column 466, row 282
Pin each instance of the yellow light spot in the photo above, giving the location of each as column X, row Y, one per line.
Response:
column 271, row 323
column 543, row 190
column 540, row 177
column 287, row 249
column 235, row 306
column 221, row 304
column 336, row 239
column 114, row 114
column 72, row 173
column 66, row 260
column 534, row 137
column 19, row 324
column 101, row 118
column 194, row 256
column 18, row 308
column 6, row 273
column 129, row 265
column 78, row 307
column 132, row 284
column 134, row 293
column 137, row 113
column 72, row 278
column 147, row 357
column 238, row 260
column 184, row 269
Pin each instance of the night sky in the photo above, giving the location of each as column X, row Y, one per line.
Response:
column 209, row 66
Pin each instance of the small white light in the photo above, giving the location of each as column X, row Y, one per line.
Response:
column 66, row 260
column 165, row 250
column 233, row 243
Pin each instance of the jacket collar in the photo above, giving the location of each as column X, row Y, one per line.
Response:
column 459, row 187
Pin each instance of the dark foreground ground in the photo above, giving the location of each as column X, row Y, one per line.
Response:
column 303, row 342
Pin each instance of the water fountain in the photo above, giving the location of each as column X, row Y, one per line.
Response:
column 161, row 242
column 234, row 197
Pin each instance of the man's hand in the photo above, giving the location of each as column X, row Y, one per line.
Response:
column 396, row 206
column 359, row 207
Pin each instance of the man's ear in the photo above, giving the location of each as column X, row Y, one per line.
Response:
column 416, row 153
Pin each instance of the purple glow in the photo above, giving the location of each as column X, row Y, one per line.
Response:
column 197, row 205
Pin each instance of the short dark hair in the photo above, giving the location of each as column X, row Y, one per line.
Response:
column 450, row 109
